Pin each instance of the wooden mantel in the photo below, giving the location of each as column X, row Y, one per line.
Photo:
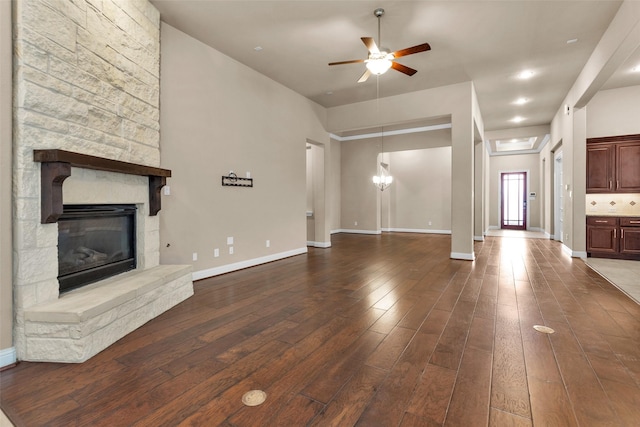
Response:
column 56, row 167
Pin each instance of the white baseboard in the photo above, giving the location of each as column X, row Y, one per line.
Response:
column 478, row 238
column 573, row 254
column 210, row 272
column 7, row 356
column 494, row 227
column 460, row 255
column 319, row 244
column 346, row 230
column 335, row 231
column 416, row 230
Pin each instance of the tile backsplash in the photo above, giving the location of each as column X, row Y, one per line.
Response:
column 618, row 204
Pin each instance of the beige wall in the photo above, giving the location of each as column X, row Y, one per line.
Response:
column 358, row 202
column 517, row 163
column 218, row 115
column 614, row 112
column 420, row 197
column 6, row 284
column 361, row 201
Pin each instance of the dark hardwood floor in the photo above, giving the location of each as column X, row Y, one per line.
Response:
column 375, row 331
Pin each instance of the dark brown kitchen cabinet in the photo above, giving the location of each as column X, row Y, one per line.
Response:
column 602, row 235
column 600, row 165
column 630, row 236
column 613, row 237
column 613, row 164
column 628, row 167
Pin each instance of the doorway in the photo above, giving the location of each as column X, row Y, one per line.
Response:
column 513, row 200
column 558, row 197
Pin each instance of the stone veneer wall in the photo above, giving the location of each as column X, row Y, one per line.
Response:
column 86, row 79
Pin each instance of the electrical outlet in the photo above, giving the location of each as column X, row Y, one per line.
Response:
column 429, row 222
column 229, row 240
column 216, row 253
column 268, row 243
column 230, row 250
column 195, row 256
column 167, row 190
column 355, row 223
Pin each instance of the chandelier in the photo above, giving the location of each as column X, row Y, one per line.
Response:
column 383, row 178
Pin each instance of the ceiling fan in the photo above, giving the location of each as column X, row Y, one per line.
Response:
column 379, row 61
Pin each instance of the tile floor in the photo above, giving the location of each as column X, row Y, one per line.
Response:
column 625, row 275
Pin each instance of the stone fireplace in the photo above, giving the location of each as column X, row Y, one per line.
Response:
column 86, row 81
column 95, row 242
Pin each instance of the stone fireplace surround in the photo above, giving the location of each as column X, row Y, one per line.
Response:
column 79, row 324
column 86, row 79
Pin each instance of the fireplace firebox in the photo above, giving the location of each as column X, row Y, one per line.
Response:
column 95, row 242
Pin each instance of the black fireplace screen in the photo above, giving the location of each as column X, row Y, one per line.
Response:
column 95, row 242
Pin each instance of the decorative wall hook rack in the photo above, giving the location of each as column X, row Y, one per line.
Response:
column 233, row 180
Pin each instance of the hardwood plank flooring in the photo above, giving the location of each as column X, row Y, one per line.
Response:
column 375, row 331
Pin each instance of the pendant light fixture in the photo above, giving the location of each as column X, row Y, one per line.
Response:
column 382, row 179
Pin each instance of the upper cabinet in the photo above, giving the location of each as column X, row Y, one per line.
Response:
column 628, row 167
column 613, row 164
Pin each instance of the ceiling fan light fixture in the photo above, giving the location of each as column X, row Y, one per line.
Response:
column 378, row 66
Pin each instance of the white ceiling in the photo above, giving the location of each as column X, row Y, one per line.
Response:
column 488, row 42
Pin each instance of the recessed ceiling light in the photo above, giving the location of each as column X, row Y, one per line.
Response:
column 257, row 48
column 521, row 101
column 636, row 69
column 571, row 41
column 517, row 119
column 526, row 74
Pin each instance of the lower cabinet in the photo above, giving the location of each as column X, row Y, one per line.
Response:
column 613, row 237
column 630, row 236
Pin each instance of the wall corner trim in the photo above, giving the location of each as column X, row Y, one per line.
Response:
column 7, row 357
column 463, row 256
column 573, row 254
column 216, row 271
column 319, row 244
column 478, row 238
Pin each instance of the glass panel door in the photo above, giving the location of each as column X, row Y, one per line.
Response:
column 513, row 192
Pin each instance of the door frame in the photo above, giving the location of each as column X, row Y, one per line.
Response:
column 558, row 199
column 527, row 218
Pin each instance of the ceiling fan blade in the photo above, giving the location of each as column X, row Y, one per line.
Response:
column 365, row 76
column 403, row 68
column 411, row 50
column 353, row 61
column 371, row 45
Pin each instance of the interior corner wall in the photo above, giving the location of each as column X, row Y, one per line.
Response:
column 335, row 185
column 614, row 112
column 7, row 355
column 515, row 163
column 219, row 116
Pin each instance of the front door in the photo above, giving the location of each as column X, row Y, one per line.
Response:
column 513, row 203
